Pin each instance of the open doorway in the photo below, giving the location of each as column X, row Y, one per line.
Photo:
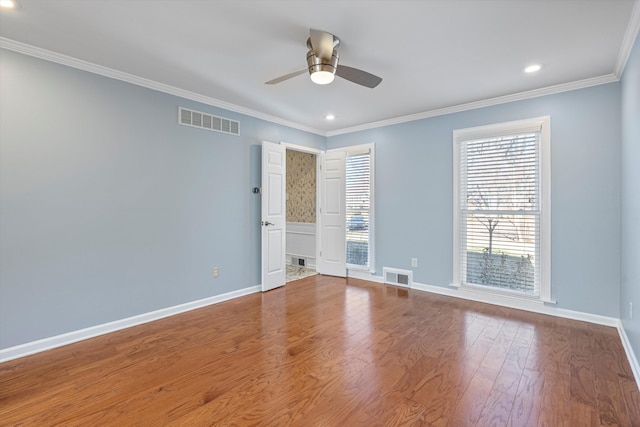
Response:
column 301, row 208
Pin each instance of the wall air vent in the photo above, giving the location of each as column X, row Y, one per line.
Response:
column 397, row 277
column 206, row 121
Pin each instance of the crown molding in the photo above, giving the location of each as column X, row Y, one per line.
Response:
column 147, row 83
column 48, row 55
column 550, row 90
column 629, row 37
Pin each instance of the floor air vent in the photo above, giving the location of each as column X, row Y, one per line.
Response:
column 198, row 119
column 394, row 276
column 298, row 261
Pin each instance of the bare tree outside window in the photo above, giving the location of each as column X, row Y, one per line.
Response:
column 500, row 204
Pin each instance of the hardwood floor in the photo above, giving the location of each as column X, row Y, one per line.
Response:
column 324, row 351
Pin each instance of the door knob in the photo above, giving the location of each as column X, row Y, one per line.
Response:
column 267, row 223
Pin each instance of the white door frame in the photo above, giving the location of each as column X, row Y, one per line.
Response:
column 318, row 153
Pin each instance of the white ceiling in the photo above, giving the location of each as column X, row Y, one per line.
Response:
column 431, row 54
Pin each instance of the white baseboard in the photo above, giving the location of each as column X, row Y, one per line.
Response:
column 631, row 356
column 503, row 301
column 365, row 275
column 308, row 261
column 82, row 334
column 93, row 331
column 518, row 303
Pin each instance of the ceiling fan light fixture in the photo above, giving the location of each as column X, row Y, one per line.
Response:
column 322, row 63
column 322, row 77
column 322, row 71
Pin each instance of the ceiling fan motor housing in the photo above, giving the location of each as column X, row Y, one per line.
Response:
column 317, row 64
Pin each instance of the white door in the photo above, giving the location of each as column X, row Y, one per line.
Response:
column 332, row 259
column 273, row 215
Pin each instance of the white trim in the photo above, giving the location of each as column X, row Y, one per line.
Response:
column 297, row 255
column 534, row 306
column 309, row 262
column 520, row 304
column 631, row 356
column 627, row 42
column 105, row 328
column 141, row 81
column 550, row 90
column 508, row 293
column 301, row 242
column 304, row 233
column 456, row 212
column 536, row 124
column 356, row 267
column 69, row 61
column 33, row 347
column 354, row 150
column 364, row 275
column 303, row 148
column 318, row 153
column 545, row 209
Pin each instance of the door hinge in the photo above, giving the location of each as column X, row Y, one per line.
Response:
column 320, row 254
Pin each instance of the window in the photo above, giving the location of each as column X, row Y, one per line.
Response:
column 359, row 202
column 501, row 208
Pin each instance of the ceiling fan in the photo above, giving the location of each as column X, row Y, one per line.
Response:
column 322, row 61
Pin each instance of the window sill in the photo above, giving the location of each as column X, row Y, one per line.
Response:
column 360, row 268
column 362, row 273
column 498, row 295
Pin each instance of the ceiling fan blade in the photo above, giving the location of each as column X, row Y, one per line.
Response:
column 322, row 43
column 358, row 76
column 286, row 77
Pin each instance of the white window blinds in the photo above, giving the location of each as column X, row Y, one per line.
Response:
column 358, row 209
column 499, row 209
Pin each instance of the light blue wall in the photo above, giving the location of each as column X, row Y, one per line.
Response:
column 630, row 176
column 109, row 208
column 414, row 192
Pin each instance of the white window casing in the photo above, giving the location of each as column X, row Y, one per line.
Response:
column 501, row 177
column 359, row 195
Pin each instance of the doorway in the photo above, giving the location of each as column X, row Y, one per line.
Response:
column 301, row 212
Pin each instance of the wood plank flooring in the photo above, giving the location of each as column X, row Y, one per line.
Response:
column 324, row 351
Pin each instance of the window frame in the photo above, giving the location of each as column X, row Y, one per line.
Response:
column 538, row 124
column 354, row 151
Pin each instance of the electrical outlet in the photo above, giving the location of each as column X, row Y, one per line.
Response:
column 215, row 272
column 630, row 310
column 414, row 262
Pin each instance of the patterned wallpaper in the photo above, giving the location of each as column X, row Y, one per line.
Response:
column 301, row 187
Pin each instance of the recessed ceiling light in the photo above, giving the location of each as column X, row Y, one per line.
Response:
column 330, row 117
column 533, row 68
column 9, row 4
